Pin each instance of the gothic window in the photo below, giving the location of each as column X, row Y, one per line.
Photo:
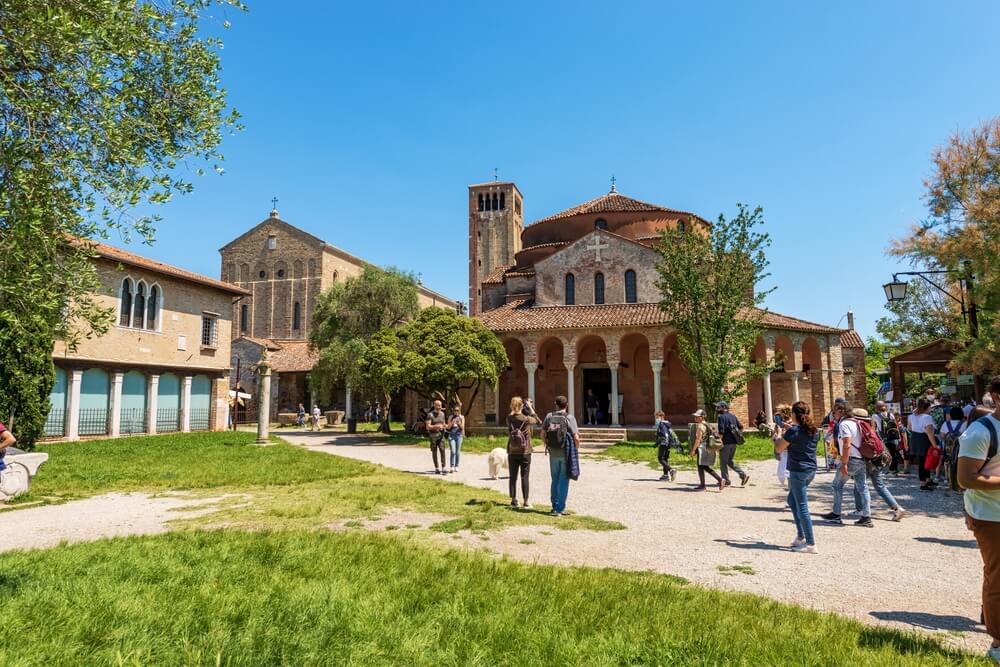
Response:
column 598, row 288
column 503, row 203
column 601, row 223
column 152, row 307
column 296, row 316
column 139, row 305
column 570, row 289
column 630, row 292
column 480, row 201
column 125, row 304
column 496, row 202
column 244, row 318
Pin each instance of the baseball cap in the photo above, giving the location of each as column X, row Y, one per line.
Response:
column 722, row 404
column 698, row 413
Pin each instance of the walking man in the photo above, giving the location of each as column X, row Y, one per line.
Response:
column 316, row 414
column 876, row 473
column 591, row 404
column 731, row 432
column 435, row 424
column 887, row 426
column 559, row 425
column 852, row 466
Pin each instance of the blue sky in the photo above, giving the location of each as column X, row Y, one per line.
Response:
column 368, row 121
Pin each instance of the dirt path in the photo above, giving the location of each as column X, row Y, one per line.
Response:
column 921, row 573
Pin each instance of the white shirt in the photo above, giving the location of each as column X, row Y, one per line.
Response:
column 967, row 410
column 957, row 426
column 317, row 413
column 975, row 444
column 849, row 429
column 919, row 423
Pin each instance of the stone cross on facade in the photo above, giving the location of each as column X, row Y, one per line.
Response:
column 597, row 247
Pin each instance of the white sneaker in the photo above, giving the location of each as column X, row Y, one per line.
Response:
column 808, row 549
column 528, row 506
column 898, row 513
column 798, row 542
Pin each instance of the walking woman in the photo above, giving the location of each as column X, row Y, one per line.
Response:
column 799, row 439
column 519, row 422
column 456, row 432
column 922, row 438
column 703, row 446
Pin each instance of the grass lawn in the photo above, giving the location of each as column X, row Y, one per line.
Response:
column 756, row 448
column 289, row 486
column 356, row 598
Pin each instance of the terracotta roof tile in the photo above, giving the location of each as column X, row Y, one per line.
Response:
column 293, row 356
column 131, row 259
column 521, row 315
column 496, row 276
column 851, row 339
column 613, row 202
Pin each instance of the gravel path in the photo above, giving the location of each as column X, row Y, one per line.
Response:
column 878, row 575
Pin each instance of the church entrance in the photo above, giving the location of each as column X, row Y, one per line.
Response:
column 598, row 380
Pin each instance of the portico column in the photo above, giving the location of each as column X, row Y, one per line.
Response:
column 795, row 386
column 615, row 417
column 531, row 368
column 116, row 404
column 768, row 402
column 570, row 388
column 264, row 406
column 186, row 404
column 657, row 365
column 73, row 406
column 152, row 393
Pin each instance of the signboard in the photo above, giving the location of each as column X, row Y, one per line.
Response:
column 966, row 380
column 948, row 390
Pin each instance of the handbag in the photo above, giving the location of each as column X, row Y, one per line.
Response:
column 933, row 458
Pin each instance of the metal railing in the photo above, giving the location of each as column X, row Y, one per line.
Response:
column 133, row 420
column 93, row 421
column 199, row 419
column 55, row 423
column 167, row 420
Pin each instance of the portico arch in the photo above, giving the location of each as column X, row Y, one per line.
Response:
column 756, row 400
column 550, row 378
column 812, row 375
column 635, row 379
column 595, row 375
column 680, row 391
column 514, row 378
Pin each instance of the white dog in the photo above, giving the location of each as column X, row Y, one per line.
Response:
column 498, row 461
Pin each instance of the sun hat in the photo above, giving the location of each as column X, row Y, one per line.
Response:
column 860, row 413
column 698, row 413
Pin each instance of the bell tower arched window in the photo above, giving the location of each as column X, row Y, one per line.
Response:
column 297, row 316
column 503, row 201
column 570, row 289
column 480, row 201
column 496, row 202
column 630, row 290
column 598, row 288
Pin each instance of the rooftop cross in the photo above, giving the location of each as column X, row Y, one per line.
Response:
column 597, row 247
column 274, row 207
column 495, row 173
column 613, row 183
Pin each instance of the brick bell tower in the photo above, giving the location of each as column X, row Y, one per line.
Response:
column 496, row 220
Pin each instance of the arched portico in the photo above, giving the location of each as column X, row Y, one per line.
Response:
column 513, row 379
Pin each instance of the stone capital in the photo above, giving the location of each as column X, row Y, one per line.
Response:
column 657, row 365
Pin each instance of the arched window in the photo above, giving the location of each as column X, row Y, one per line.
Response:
column 630, row 293
column 600, row 223
column 125, row 304
column 244, row 318
column 496, row 202
column 152, row 307
column 139, row 309
column 296, row 316
column 598, row 288
column 570, row 289
column 503, row 198
column 480, row 201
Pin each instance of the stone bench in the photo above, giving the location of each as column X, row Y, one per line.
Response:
column 289, row 418
column 334, row 417
column 16, row 479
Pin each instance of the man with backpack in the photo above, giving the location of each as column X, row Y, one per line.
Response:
column 731, row 432
column 852, row 466
column 558, row 427
column 978, row 472
column 877, row 459
column 665, row 440
column 888, row 428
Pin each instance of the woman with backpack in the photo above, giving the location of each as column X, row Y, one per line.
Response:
column 922, row 439
column 704, row 446
column 948, row 435
column 519, row 422
column 799, row 438
column 665, row 439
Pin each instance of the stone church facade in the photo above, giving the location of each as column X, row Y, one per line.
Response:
column 284, row 270
column 574, row 300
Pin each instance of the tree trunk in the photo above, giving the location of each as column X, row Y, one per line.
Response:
column 384, row 426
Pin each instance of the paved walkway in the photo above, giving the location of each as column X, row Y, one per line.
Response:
column 921, row 573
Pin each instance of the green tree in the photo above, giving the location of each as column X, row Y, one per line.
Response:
column 100, row 103
column 347, row 317
column 708, row 281
column 925, row 315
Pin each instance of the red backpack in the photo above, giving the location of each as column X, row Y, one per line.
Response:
column 871, row 449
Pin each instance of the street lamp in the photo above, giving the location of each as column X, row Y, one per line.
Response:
column 895, row 291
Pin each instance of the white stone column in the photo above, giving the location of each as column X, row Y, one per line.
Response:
column 795, row 386
column 496, row 401
column 73, row 405
column 570, row 387
column 186, row 404
column 116, row 404
column 657, row 365
column 264, row 403
column 615, row 417
column 152, row 396
column 768, row 401
column 531, row 368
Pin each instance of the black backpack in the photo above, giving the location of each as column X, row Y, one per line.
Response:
column 953, row 454
column 557, row 426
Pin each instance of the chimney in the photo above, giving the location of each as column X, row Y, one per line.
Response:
column 850, row 320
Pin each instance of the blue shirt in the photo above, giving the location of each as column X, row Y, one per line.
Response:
column 729, row 425
column 801, row 449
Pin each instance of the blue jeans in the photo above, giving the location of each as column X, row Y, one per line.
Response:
column 560, row 482
column 798, row 501
column 455, row 444
column 878, row 481
column 856, row 469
